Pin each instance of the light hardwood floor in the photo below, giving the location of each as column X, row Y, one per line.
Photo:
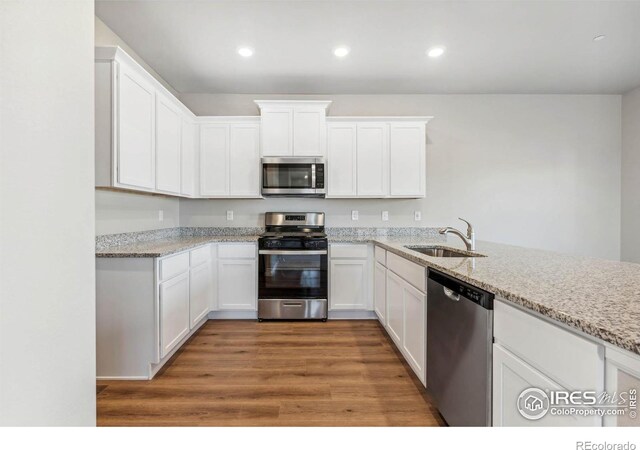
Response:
column 245, row 373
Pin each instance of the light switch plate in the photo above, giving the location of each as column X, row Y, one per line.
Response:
column 385, row 216
column 160, row 215
column 417, row 216
column 229, row 215
column 354, row 215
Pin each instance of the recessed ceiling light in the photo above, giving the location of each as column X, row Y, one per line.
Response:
column 341, row 52
column 435, row 52
column 599, row 37
column 245, row 52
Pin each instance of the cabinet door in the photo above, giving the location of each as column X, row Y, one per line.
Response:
column 395, row 307
column 622, row 375
column 276, row 131
column 380, row 292
column 168, row 144
column 372, row 160
column 309, row 131
column 414, row 329
column 201, row 287
column 244, row 160
column 188, row 158
column 341, row 160
column 407, row 159
column 174, row 312
column 136, row 125
column 511, row 376
column 214, row 160
column 348, row 284
column 237, row 281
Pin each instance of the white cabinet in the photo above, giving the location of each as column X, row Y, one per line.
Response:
column 372, row 159
column 293, row 128
column 521, row 362
column 511, row 376
column 168, row 145
column 376, row 158
column 380, row 292
column 349, row 277
column 406, row 315
column 188, row 155
column 395, row 307
column 341, row 159
column 407, row 169
column 174, row 312
column 622, row 375
column 141, row 141
column 135, row 126
column 230, row 159
column 201, row 292
column 237, row 277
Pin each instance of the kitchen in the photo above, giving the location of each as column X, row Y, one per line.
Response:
column 269, row 228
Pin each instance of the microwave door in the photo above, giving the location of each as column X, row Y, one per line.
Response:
column 288, row 178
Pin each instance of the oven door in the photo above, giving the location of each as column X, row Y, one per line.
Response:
column 292, row 176
column 292, row 274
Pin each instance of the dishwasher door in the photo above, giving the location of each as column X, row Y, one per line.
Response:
column 459, row 342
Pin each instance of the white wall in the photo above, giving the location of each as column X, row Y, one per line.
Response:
column 47, row 274
column 119, row 212
column 631, row 176
column 541, row 171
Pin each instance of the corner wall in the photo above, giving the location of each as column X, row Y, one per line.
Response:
column 47, row 259
column 631, row 176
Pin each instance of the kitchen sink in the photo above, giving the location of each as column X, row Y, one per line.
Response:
column 441, row 252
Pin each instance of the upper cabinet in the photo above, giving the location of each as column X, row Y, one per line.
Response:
column 293, row 128
column 230, row 157
column 376, row 157
column 139, row 126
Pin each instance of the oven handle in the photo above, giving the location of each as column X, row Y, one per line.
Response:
column 292, row 252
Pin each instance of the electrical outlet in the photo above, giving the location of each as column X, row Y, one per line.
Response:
column 354, row 215
column 417, row 216
column 160, row 215
column 229, row 215
column 385, row 216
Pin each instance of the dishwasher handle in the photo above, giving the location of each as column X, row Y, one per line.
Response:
column 452, row 295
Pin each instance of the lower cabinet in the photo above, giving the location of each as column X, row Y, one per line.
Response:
column 622, row 374
column 174, row 312
column 395, row 307
column 349, row 277
column 237, row 277
column 380, row 292
column 201, row 290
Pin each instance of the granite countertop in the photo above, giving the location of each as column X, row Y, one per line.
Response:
column 598, row 297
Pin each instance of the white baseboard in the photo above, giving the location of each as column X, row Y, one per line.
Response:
column 233, row 315
column 352, row 315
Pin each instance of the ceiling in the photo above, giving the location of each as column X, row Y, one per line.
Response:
column 491, row 46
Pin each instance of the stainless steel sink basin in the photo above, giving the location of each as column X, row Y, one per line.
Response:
column 441, row 252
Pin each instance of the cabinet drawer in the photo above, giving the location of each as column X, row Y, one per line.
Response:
column 571, row 360
column 174, row 265
column 236, row 251
column 349, row 250
column 412, row 272
column 200, row 255
column 381, row 255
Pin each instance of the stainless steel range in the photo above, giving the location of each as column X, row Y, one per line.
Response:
column 292, row 267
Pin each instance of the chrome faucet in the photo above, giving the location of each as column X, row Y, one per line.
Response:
column 469, row 240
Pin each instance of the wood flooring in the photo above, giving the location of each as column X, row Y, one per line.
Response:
column 246, row 373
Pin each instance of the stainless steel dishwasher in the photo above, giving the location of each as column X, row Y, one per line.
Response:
column 459, row 340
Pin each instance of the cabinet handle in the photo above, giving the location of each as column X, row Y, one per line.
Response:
column 452, row 295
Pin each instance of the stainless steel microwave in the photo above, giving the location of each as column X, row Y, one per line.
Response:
column 292, row 176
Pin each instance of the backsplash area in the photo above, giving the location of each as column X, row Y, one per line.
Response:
column 111, row 240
